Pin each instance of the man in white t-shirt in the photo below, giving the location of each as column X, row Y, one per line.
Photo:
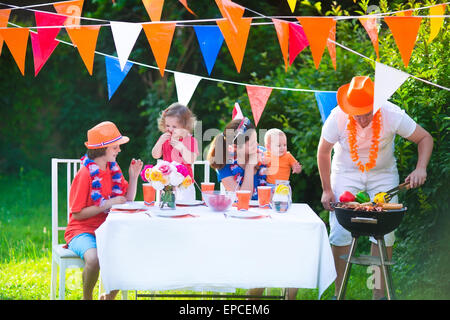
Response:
column 364, row 159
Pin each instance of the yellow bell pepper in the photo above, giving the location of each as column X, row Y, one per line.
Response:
column 379, row 197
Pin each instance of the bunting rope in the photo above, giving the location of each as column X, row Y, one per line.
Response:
column 214, row 79
column 260, row 16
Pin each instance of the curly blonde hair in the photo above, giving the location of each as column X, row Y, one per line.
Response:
column 185, row 117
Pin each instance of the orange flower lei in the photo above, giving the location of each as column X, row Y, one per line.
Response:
column 373, row 153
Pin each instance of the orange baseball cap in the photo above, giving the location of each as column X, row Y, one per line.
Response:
column 356, row 98
column 103, row 135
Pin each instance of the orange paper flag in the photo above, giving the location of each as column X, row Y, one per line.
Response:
column 317, row 30
column 282, row 28
column 4, row 17
column 332, row 46
column 436, row 23
column 258, row 97
column 404, row 30
column 236, row 41
column 17, row 40
column 85, row 39
column 70, row 8
column 184, row 3
column 371, row 26
column 159, row 36
column 231, row 11
column 154, row 8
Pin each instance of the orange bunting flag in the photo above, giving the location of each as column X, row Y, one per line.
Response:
column 258, row 97
column 407, row 13
column 371, row 26
column 332, row 46
column 435, row 23
column 231, row 11
column 282, row 28
column 184, row 3
column 154, row 8
column 17, row 40
column 236, row 41
column 4, row 17
column 404, row 30
column 72, row 9
column 85, row 39
column 317, row 30
column 159, row 36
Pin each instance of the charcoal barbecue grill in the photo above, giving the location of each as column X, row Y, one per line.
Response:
column 368, row 223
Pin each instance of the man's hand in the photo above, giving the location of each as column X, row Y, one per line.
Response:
column 327, row 197
column 417, row 177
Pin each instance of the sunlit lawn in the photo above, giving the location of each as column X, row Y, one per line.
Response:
column 25, row 254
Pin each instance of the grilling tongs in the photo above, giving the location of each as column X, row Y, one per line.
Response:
column 392, row 192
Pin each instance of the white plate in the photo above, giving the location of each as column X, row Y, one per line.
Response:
column 189, row 203
column 132, row 205
column 169, row 213
column 254, row 203
column 246, row 214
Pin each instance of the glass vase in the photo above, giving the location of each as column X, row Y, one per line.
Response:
column 168, row 199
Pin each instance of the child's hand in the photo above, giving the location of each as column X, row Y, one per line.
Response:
column 135, row 168
column 179, row 133
column 176, row 144
column 164, row 137
column 296, row 167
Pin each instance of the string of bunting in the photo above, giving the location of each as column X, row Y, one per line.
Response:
column 233, row 28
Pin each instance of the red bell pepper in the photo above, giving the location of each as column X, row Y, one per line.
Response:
column 346, row 196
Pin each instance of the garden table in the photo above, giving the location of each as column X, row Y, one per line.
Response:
column 214, row 252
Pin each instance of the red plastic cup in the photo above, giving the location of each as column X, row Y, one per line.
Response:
column 243, row 199
column 149, row 194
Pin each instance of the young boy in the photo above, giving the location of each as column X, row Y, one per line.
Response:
column 97, row 186
column 279, row 161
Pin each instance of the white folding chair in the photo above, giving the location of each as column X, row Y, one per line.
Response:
column 64, row 258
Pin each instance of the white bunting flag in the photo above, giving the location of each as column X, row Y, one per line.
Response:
column 125, row 35
column 186, row 85
column 387, row 81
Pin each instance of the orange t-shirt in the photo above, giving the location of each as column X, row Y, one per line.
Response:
column 79, row 198
column 279, row 168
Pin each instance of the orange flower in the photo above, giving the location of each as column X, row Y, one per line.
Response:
column 373, row 153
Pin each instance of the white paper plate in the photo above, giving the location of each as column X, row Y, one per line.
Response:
column 169, row 213
column 132, row 205
column 189, row 203
column 245, row 214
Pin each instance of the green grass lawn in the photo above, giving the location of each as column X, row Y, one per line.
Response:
column 25, row 246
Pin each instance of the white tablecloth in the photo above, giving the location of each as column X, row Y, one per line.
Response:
column 215, row 253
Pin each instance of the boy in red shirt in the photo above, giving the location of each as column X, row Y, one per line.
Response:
column 97, row 186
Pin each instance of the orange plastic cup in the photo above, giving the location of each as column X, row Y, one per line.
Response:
column 264, row 193
column 207, row 187
column 149, row 194
column 243, row 199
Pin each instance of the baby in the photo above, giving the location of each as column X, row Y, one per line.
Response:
column 279, row 161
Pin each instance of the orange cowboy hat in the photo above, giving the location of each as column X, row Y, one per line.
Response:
column 356, row 98
column 103, row 135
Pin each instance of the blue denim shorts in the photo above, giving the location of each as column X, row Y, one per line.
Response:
column 81, row 243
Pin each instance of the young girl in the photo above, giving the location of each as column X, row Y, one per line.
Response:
column 177, row 143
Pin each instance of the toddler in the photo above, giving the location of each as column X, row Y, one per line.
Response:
column 177, row 143
column 279, row 161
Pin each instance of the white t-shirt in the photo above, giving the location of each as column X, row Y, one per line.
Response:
column 393, row 121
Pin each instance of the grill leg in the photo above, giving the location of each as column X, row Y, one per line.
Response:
column 385, row 268
column 348, row 267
